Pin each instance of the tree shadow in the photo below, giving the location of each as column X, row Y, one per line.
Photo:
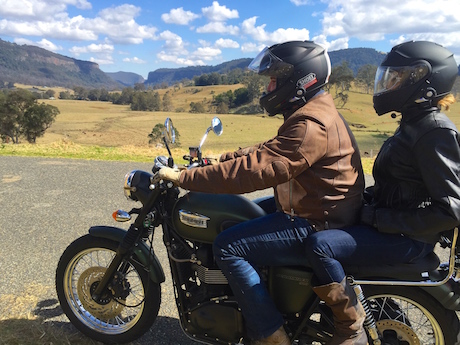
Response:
column 49, row 325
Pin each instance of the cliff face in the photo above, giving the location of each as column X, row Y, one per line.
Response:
column 36, row 66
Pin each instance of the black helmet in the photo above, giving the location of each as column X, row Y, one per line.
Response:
column 301, row 68
column 413, row 73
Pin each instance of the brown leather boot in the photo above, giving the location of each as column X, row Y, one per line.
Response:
column 278, row 338
column 348, row 313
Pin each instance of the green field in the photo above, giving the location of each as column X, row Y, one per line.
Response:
column 102, row 130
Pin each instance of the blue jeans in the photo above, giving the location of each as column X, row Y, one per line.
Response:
column 273, row 240
column 327, row 250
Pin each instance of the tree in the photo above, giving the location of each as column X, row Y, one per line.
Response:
column 156, row 136
column 20, row 115
column 341, row 77
column 365, row 77
column 167, row 102
column 197, row 107
column 12, row 113
column 37, row 119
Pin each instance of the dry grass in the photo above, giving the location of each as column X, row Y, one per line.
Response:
column 101, row 130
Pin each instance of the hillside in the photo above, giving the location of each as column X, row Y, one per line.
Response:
column 356, row 57
column 126, row 78
column 173, row 75
column 36, row 66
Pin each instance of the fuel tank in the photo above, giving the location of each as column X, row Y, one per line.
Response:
column 201, row 216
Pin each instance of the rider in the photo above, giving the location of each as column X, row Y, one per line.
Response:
column 314, row 166
column 416, row 194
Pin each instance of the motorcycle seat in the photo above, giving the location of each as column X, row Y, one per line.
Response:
column 405, row 271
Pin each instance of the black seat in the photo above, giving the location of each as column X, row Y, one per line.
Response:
column 407, row 271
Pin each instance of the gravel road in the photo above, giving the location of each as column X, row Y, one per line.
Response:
column 44, row 205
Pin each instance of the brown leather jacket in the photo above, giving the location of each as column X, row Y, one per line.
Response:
column 313, row 163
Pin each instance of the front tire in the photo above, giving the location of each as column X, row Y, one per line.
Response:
column 116, row 319
column 410, row 316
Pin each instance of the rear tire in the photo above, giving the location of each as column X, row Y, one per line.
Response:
column 411, row 315
column 115, row 320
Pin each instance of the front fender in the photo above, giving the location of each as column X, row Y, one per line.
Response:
column 142, row 252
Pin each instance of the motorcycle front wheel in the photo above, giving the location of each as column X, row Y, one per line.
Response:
column 125, row 311
column 410, row 316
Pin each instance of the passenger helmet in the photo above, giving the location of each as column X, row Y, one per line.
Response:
column 413, row 73
column 301, row 68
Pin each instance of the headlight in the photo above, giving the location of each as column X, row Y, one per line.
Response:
column 128, row 188
column 136, row 185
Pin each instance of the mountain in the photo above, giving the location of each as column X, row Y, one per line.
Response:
column 356, row 57
column 126, row 78
column 173, row 75
column 36, row 66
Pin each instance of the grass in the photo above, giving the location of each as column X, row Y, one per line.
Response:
column 104, row 131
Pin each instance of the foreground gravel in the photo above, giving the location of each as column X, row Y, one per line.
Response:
column 44, row 205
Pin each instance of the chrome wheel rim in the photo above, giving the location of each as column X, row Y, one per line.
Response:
column 114, row 317
column 411, row 321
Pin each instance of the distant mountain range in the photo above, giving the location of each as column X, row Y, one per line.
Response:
column 356, row 57
column 36, row 66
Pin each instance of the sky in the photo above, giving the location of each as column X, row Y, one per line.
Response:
column 144, row 35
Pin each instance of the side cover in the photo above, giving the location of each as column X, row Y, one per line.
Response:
column 201, row 216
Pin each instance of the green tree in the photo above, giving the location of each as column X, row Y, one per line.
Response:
column 167, row 102
column 21, row 115
column 12, row 113
column 156, row 136
column 37, row 119
column 197, row 107
column 365, row 77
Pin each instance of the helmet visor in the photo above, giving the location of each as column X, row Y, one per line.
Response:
column 390, row 78
column 267, row 63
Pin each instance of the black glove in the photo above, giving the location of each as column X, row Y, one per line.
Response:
column 368, row 215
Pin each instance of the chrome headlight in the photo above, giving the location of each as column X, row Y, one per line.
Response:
column 128, row 188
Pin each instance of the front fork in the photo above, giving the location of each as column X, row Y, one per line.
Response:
column 123, row 251
column 369, row 321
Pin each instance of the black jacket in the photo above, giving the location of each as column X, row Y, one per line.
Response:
column 417, row 178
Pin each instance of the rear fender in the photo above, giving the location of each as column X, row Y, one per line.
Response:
column 447, row 294
column 142, row 252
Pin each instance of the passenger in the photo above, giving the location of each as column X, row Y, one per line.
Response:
column 416, row 194
column 314, row 166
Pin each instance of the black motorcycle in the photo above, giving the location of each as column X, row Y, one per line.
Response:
column 108, row 281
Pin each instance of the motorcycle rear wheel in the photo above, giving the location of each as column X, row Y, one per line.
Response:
column 410, row 316
column 115, row 320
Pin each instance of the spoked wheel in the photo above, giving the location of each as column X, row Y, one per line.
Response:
column 410, row 316
column 125, row 311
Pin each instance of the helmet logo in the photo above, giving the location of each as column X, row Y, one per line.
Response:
column 307, row 81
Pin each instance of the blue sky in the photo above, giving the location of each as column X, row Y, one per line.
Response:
column 142, row 36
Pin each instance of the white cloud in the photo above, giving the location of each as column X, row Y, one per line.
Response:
column 226, row 43
column 44, row 43
column 163, row 56
column 252, row 47
column 173, row 42
column 38, row 9
column 92, row 48
column 102, row 61
column 134, row 60
column 259, row 34
column 179, row 16
column 217, row 13
column 119, row 25
column 220, row 28
column 300, row 2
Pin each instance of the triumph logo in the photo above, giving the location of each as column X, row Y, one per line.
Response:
column 193, row 219
column 307, row 81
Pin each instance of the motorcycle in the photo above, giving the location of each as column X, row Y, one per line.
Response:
column 108, row 281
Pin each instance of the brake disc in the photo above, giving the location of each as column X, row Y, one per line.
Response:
column 108, row 308
column 398, row 330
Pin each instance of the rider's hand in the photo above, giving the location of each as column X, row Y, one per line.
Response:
column 170, row 174
column 368, row 215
